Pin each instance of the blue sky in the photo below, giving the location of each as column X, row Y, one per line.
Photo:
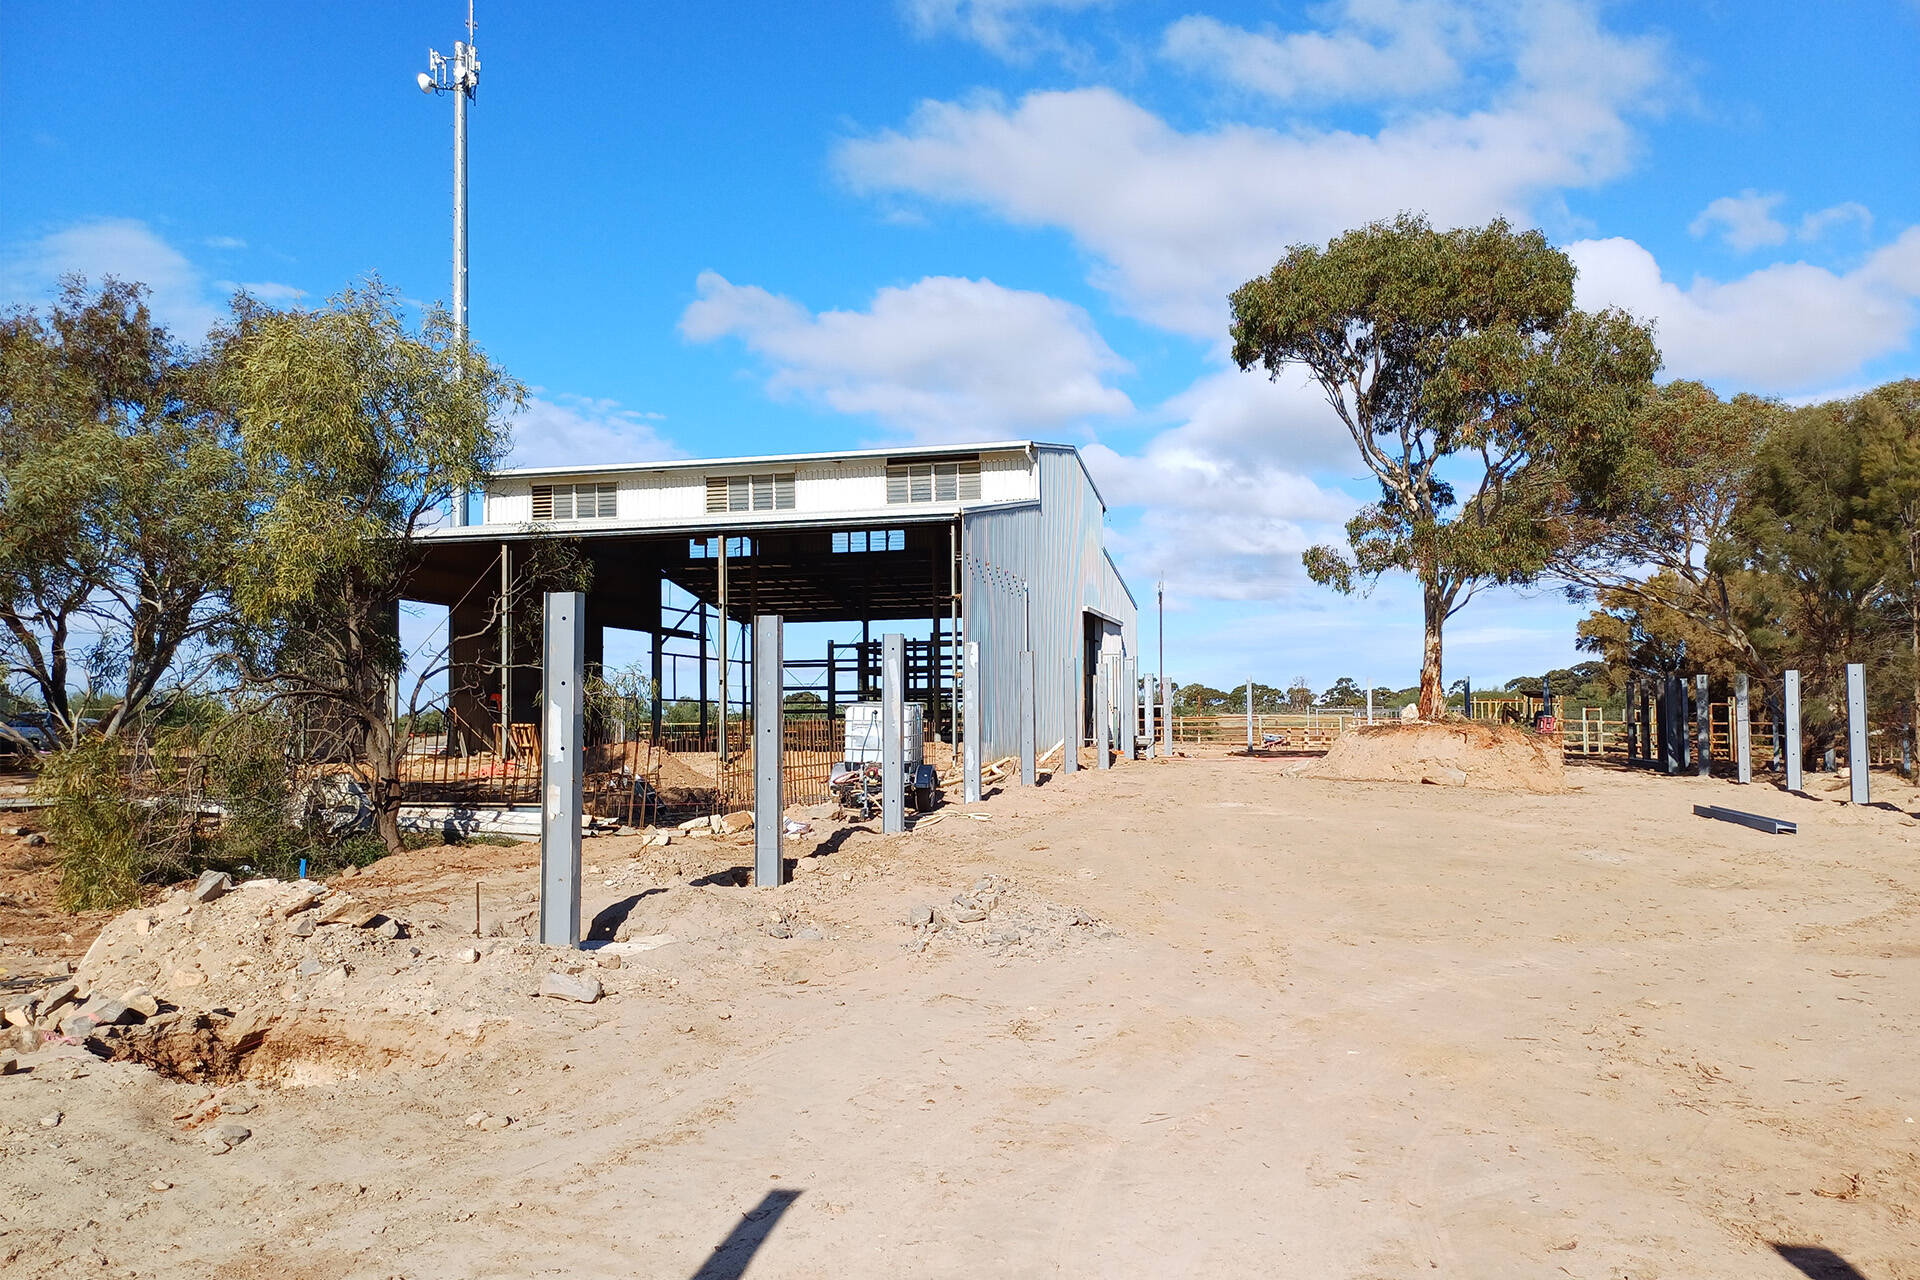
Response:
column 776, row 227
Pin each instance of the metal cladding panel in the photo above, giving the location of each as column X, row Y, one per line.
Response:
column 1057, row 551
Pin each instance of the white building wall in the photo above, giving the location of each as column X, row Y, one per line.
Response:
column 852, row 486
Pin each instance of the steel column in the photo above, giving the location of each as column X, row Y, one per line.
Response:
column 1130, row 723
column 893, row 716
column 1249, row 715
column 563, row 709
column 1742, row 743
column 1029, row 768
column 1070, row 750
column 1103, row 714
column 1859, row 764
column 1793, row 730
column 970, row 707
column 1702, row 727
column 1149, row 695
column 1166, row 717
column 769, row 748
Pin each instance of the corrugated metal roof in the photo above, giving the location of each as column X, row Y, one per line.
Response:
column 774, row 459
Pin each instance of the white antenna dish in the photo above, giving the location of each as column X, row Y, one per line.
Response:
column 426, row 82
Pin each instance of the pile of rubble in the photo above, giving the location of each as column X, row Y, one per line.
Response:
column 1002, row 917
column 224, row 981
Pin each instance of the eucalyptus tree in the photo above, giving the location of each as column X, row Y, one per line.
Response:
column 1480, row 399
column 120, row 497
column 356, row 430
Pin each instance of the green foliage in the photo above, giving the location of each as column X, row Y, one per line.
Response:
column 1459, row 349
column 109, row 842
column 355, row 431
column 122, row 493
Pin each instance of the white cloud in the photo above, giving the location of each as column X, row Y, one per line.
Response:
column 126, row 248
column 225, row 242
column 1010, row 29
column 1745, row 221
column 943, row 358
column 1174, row 220
column 1816, row 224
column 1375, row 50
column 1778, row 329
column 560, row 430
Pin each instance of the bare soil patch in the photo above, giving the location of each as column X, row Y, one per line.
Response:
column 1193, row 1017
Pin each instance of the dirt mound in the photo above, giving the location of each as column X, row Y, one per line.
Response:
column 1454, row 753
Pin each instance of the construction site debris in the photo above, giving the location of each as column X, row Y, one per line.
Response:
column 581, row 988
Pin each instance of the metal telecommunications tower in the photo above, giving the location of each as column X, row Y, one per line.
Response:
column 460, row 76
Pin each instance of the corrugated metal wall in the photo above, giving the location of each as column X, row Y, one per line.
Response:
column 1056, row 549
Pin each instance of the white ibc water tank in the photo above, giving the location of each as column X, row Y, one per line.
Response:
column 863, row 733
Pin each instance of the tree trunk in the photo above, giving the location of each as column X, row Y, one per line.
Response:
column 1433, row 693
column 382, row 758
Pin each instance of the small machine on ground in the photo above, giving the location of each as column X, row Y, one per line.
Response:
column 857, row 781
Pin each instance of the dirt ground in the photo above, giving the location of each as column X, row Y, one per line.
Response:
column 1218, row 1020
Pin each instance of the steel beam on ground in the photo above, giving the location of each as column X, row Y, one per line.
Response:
column 1702, row 727
column 893, row 717
column 1742, row 741
column 1029, row 768
column 970, row 709
column 563, row 708
column 1103, row 714
column 1793, row 730
column 769, row 748
column 1859, row 765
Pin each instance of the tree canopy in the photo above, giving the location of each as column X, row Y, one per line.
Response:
column 1453, row 358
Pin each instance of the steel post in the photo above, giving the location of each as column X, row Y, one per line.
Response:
column 1859, row 764
column 1742, row 731
column 1166, row 717
column 563, row 710
column 1793, row 730
column 1103, row 714
column 1130, row 717
column 1029, row 767
column 1249, row 715
column 769, row 748
column 970, row 708
column 1149, row 686
column 1702, row 727
column 893, row 717
column 1070, row 741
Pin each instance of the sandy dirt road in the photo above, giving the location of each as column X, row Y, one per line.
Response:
column 1307, row 1028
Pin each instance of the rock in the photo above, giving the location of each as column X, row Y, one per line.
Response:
column 493, row 1124
column 51, row 1120
column 967, row 915
column 21, row 1040
column 142, row 1002
column 225, row 1137
column 388, row 928
column 8, row 1064
column 236, row 1107
column 311, row 967
column 21, row 1015
column 467, row 955
column 348, row 910
column 1444, row 776
column 607, row 960
column 79, row 1026
column 734, row 823
column 920, row 916
column 160, row 1184
column 302, row 928
column 35, row 840
column 60, row 993
column 779, row 929
column 210, row 885
column 188, row 978
column 581, row 988
column 301, row 901
column 17, row 831
column 111, row 1013
column 692, row 823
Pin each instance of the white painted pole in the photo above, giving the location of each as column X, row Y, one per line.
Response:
column 564, row 707
column 1859, row 765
